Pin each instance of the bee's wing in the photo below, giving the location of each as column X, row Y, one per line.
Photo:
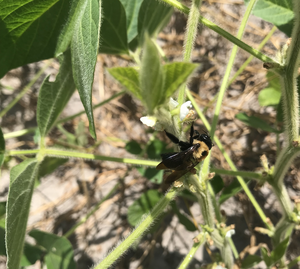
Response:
column 176, row 160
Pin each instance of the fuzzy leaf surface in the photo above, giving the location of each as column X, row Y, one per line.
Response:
column 132, row 9
column 129, row 78
column 59, row 250
column 66, row 34
column 22, row 178
column 84, row 50
column 29, row 31
column 54, row 96
column 151, row 76
column 175, row 75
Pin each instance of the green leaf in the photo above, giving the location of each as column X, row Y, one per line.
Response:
column 59, row 250
column 231, row 190
column 113, row 38
column 129, row 78
column 250, row 261
column 153, row 16
column 142, row 206
column 176, row 74
column 2, row 148
column 29, row 30
column 84, row 50
column 277, row 12
column 183, row 219
column 269, row 97
column 54, row 96
column 22, row 178
column 66, row 34
column 280, row 250
column 133, row 147
column 155, row 176
column 155, row 148
column 31, row 255
column 217, row 183
column 267, row 259
column 255, row 122
column 132, row 9
column 151, row 76
column 49, row 164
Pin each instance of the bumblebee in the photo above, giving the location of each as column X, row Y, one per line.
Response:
column 192, row 153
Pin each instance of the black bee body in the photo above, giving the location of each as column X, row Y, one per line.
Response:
column 192, row 153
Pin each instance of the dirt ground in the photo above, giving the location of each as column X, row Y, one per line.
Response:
column 67, row 194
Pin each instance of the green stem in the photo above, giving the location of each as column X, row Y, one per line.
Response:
column 222, row 32
column 215, row 203
column 237, row 173
column 189, row 41
column 25, row 90
column 283, row 162
column 139, row 231
column 228, row 69
column 74, row 154
column 32, row 130
column 289, row 80
column 231, row 164
column 233, row 248
column 189, row 257
column 92, row 211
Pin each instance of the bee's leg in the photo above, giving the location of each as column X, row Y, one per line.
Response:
column 197, row 136
column 191, row 134
column 174, row 139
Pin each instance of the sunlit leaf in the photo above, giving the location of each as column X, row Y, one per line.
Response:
column 176, row 74
column 29, row 30
column 129, row 78
column 22, row 178
column 84, row 50
column 278, row 12
column 151, row 76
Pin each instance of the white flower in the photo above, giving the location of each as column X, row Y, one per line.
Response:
column 220, row 267
column 185, row 109
column 230, row 233
column 172, row 104
column 149, row 120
